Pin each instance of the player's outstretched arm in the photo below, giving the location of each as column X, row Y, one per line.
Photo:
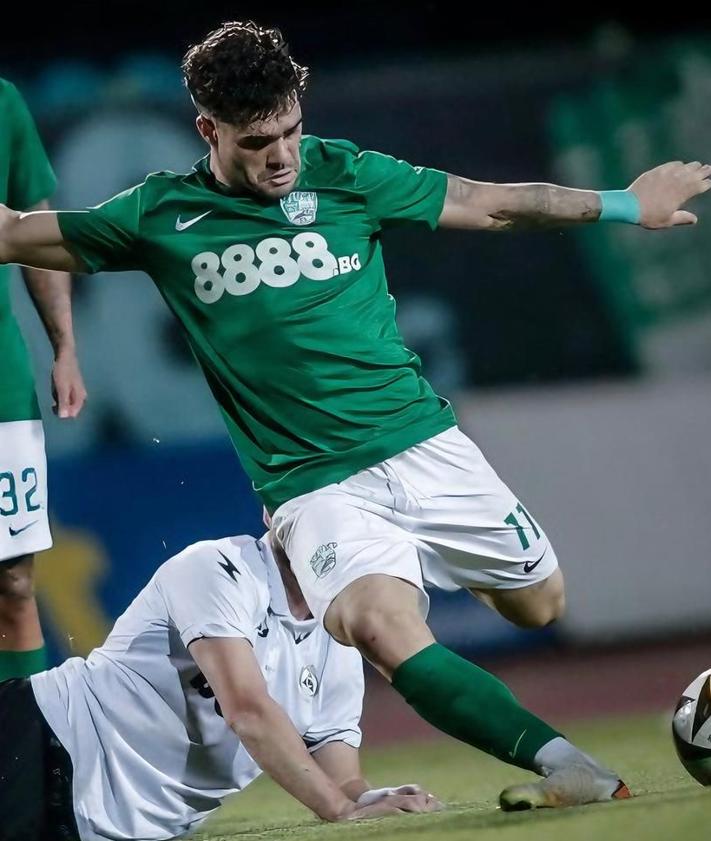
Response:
column 264, row 728
column 34, row 239
column 654, row 200
column 231, row 669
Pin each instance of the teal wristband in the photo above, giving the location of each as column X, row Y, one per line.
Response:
column 619, row 206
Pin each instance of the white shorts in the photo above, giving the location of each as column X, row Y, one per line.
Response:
column 435, row 514
column 24, row 524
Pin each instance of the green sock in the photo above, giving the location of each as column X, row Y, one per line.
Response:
column 468, row 703
column 22, row 663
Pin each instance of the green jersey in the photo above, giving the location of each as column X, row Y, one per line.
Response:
column 26, row 178
column 286, row 307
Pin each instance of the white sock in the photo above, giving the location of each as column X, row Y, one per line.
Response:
column 559, row 754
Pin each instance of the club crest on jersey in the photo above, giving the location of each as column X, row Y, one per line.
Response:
column 300, row 208
column 324, row 559
column 308, row 682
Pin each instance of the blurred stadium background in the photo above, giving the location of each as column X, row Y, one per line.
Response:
column 579, row 361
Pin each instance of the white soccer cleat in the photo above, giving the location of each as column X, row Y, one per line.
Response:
column 572, row 786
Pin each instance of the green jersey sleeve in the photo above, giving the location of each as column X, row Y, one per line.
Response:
column 396, row 191
column 30, row 176
column 105, row 236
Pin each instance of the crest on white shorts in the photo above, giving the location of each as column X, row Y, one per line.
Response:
column 308, row 682
column 300, row 208
column 324, row 559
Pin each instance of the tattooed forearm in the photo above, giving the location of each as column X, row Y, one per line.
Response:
column 545, row 204
column 499, row 207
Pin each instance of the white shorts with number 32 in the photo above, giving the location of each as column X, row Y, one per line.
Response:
column 24, row 524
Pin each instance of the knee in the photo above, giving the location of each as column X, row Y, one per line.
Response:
column 387, row 636
column 381, row 619
column 376, row 623
column 542, row 612
column 16, row 584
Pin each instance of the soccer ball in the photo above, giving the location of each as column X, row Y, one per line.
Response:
column 691, row 728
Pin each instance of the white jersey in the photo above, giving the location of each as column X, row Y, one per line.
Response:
column 152, row 755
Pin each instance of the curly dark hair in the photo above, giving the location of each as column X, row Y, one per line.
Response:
column 242, row 73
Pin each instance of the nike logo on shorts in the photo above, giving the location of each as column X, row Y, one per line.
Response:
column 181, row 226
column 15, row 532
column 530, row 566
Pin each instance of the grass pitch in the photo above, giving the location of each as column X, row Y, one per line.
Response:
column 668, row 804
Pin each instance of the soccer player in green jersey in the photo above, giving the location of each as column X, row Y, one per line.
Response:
column 26, row 181
column 269, row 253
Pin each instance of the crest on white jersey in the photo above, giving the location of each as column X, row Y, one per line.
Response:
column 300, row 208
column 324, row 559
column 308, row 682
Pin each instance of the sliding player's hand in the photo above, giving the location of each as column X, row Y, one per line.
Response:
column 372, row 795
column 393, row 804
column 664, row 190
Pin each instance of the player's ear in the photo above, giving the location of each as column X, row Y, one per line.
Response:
column 207, row 128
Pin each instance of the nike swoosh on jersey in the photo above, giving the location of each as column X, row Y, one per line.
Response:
column 15, row 532
column 529, row 567
column 181, row 226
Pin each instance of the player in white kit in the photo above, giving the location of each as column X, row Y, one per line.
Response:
column 215, row 672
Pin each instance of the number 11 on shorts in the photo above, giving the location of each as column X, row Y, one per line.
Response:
column 511, row 520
